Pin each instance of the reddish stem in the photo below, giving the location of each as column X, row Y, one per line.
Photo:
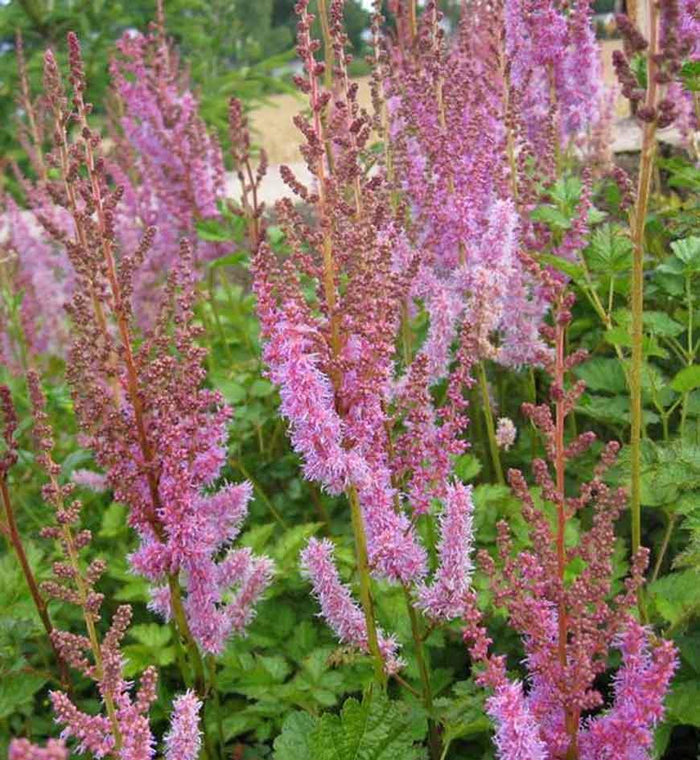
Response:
column 39, row 602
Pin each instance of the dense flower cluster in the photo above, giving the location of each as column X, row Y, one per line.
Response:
column 170, row 166
column 37, row 279
column 361, row 413
column 159, row 436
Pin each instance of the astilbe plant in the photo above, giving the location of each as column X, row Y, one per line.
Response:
column 159, row 436
column 9, row 423
column 170, row 166
column 361, row 413
column 471, row 163
column 123, row 729
column 562, row 600
column 448, row 156
column 35, row 276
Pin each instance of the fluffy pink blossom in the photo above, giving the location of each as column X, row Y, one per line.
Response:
column 444, row 598
column 184, row 738
column 338, row 608
column 517, row 733
column 92, row 732
column 506, row 433
column 640, row 685
column 93, row 481
column 307, row 400
column 169, row 166
column 23, row 749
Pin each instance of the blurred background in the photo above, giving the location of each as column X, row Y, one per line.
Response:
column 233, row 47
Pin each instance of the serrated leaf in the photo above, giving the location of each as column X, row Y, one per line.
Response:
column 620, row 336
column 683, row 703
column 610, row 250
column 151, row 634
column 575, row 271
column 113, row 521
column 375, row 729
column 467, row 467
column 688, row 251
column 567, row 191
column 16, row 692
column 551, row 216
column 676, row 596
column 293, row 742
column 615, row 409
column 659, row 323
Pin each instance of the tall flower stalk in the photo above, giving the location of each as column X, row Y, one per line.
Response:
column 569, row 618
column 360, row 409
column 656, row 108
column 157, row 433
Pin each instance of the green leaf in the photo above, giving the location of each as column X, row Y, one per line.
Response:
column 688, row 251
column 467, row 467
column 231, row 260
column 261, row 388
column 551, row 216
column 603, row 374
column 683, row 703
column 567, row 191
column 659, row 323
column 687, row 379
column 620, row 336
column 462, row 714
column 575, row 271
column 151, row 634
column 232, row 390
column 690, row 73
column 610, row 250
column 676, row 596
column 375, row 729
column 213, row 231
column 18, row 691
column 113, row 521
column 611, row 409
column 293, row 742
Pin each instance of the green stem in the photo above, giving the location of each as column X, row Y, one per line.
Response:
column 427, row 692
column 490, row 427
column 195, row 658
column 217, row 318
column 358, row 528
column 638, row 219
column 664, row 546
column 211, row 662
column 259, row 490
